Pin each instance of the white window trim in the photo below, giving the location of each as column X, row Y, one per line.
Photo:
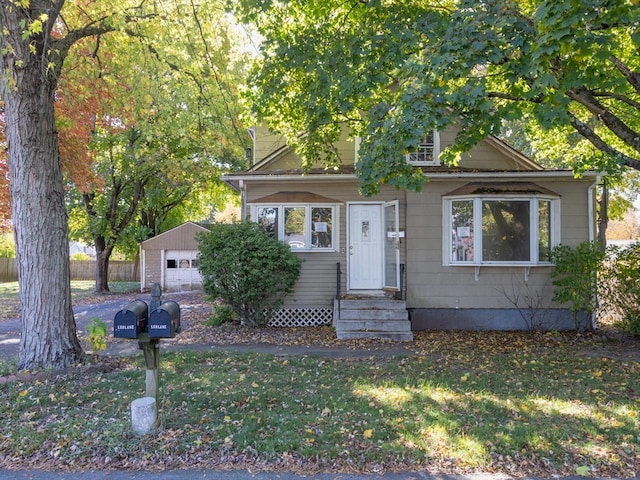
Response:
column 447, row 213
column 436, row 153
column 335, row 234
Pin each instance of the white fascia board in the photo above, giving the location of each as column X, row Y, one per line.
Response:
column 563, row 174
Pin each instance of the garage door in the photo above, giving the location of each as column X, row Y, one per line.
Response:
column 181, row 271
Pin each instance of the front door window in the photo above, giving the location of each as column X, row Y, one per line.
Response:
column 391, row 246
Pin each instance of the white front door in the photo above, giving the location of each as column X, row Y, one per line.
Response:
column 365, row 261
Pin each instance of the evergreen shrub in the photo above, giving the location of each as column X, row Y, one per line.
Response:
column 247, row 269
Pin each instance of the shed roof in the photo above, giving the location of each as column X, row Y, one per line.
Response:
column 181, row 237
column 295, row 197
column 477, row 188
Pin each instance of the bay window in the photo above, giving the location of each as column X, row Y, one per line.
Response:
column 509, row 230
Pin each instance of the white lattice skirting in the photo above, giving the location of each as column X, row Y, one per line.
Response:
column 302, row 317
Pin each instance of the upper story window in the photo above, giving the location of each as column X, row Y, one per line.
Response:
column 506, row 229
column 302, row 227
column 428, row 151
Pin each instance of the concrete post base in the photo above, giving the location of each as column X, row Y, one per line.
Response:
column 144, row 415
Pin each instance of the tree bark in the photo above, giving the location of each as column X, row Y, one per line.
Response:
column 103, row 254
column 48, row 328
column 603, row 215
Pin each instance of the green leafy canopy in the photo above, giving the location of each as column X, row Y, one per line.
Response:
column 391, row 70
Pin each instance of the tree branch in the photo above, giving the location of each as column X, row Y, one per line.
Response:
column 621, row 98
column 586, row 98
column 505, row 96
column 588, row 133
column 95, row 28
column 632, row 77
column 216, row 76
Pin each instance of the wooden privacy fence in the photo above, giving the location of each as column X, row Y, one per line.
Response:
column 80, row 270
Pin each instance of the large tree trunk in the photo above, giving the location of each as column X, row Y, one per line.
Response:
column 48, row 329
column 103, row 254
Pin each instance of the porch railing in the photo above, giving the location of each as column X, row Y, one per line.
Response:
column 400, row 295
column 338, row 286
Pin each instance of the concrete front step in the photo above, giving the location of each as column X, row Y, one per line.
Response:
column 373, row 303
column 376, row 325
column 392, row 315
column 398, row 337
column 372, row 318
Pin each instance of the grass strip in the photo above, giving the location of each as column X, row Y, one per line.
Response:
column 456, row 407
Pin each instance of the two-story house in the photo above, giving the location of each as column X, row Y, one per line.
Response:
column 470, row 251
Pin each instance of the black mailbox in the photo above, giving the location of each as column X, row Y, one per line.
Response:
column 164, row 321
column 131, row 321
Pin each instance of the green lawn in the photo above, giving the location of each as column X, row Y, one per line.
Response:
column 513, row 403
column 81, row 290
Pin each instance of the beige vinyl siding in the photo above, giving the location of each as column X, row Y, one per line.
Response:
column 575, row 226
column 496, row 287
column 430, row 284
column 316, row 286
column 266, row 142
column 483, row 156
column 346, row 150
column 182, row 237
column 153, row 267
column 288, row 161
column 317, row 283
column 291, row 161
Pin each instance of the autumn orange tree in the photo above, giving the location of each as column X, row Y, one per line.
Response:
column 37, row 37
column 162, row 129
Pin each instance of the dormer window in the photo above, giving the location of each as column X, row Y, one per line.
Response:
column 428, row 151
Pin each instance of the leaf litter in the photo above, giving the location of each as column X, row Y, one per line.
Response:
column 450, row 402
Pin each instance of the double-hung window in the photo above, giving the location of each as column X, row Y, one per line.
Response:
column 428, row 151
column 500, row 229
column 302, row 227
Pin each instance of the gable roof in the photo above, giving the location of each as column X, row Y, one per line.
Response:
column 271, row 158
column 517, row 157
column 511, row 152
column 185, row 233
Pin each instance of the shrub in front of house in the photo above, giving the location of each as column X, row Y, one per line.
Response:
column 247, row 269
column 575, row 276
column 605, row 280
column 620, row 287
column 221, row 315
